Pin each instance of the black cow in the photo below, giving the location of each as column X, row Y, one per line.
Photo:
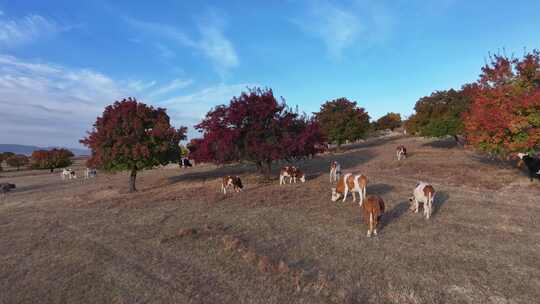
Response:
column 532, row 163
column 5, row 188
column 184, row 162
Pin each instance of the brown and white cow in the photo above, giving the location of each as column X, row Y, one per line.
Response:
column 372, row 211
column 401, row 152
column 292, row 173
column 335, row 171
column 354, row 184
column 231, row 181
column 423, row 193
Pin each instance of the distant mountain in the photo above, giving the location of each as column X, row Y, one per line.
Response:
column 27, row 150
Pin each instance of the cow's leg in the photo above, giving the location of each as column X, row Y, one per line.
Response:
column 223, row 189
column 280, row 179
column 428, row 208
column 345, row 193
column 370, row 224
column 415, row 205
column 353, row 196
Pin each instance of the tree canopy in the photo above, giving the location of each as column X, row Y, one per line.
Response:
column 133, row 136
column 51, row 159
column 388, row 121
column 255, row 127
column 17, row 161
column 342, row 120
column 505, row 111
column 439, row 114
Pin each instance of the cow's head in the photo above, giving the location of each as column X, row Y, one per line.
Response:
column 303, row 178
column 335, row 195
column 411, row 203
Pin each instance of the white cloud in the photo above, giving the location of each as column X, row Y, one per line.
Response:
column 15, row 32
column 52, row 105
column 45, row 104
column 342, row 27
column 212, row 41
column 174, row 85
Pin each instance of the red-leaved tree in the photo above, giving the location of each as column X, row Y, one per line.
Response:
column 255, row 127
column 17, row 161
column 133, row 136
column 505, row 111
column 51, row 159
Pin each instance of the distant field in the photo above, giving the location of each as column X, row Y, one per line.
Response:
column 179, row 240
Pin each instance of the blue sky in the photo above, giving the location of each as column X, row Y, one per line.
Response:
column 61, row 62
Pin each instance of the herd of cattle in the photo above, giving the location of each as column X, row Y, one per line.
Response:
column 372, row 205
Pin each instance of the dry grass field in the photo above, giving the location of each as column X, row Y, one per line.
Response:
column 179, row 240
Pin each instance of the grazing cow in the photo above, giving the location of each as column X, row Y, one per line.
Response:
column 184, row 162
column 90, row 173
column 372, row 211
column 352, row 183
column 423, row 193
column 401, row 152
column 292, row 173
column 335, row 171
column 5, row 188
column 231, row 181
column 68, row 173
column 532, row 163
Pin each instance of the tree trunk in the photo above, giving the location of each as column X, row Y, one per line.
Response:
column 132, row 178
column 269, row 167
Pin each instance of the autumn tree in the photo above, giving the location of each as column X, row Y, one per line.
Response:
column 439, row 114
column 51, row 159
column 389, row 121
column 132, row 136
column 255, row 127
column 505, row 111
column 342, row 120
column 17, row 161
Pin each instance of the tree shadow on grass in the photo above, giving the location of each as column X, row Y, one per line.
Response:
column 445, row 143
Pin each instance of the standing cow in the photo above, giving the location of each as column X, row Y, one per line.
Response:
column 401, row 152
column 354, row 184
column 372, row 211
column 423, row 193
column 231, row 181
column 335, row 171
column 292, row 173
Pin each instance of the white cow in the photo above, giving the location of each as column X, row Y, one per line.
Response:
column 335, row 171
column 90, row 172
column 68, row 173
column 423, row 193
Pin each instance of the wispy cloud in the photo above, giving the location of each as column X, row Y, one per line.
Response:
column 210, row 41
column 16, row 32
column 343, row 26
column 174, row 85
column 48, row 104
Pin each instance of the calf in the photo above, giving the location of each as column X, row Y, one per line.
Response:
column 423, row 193
column 353, row 183
column 335, row 171
column 372, row 211
column 532, row 163
column 401, row 152
column 292, row 173
column 233, row 181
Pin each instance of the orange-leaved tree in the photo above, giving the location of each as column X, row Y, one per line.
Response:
column 504, row 115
